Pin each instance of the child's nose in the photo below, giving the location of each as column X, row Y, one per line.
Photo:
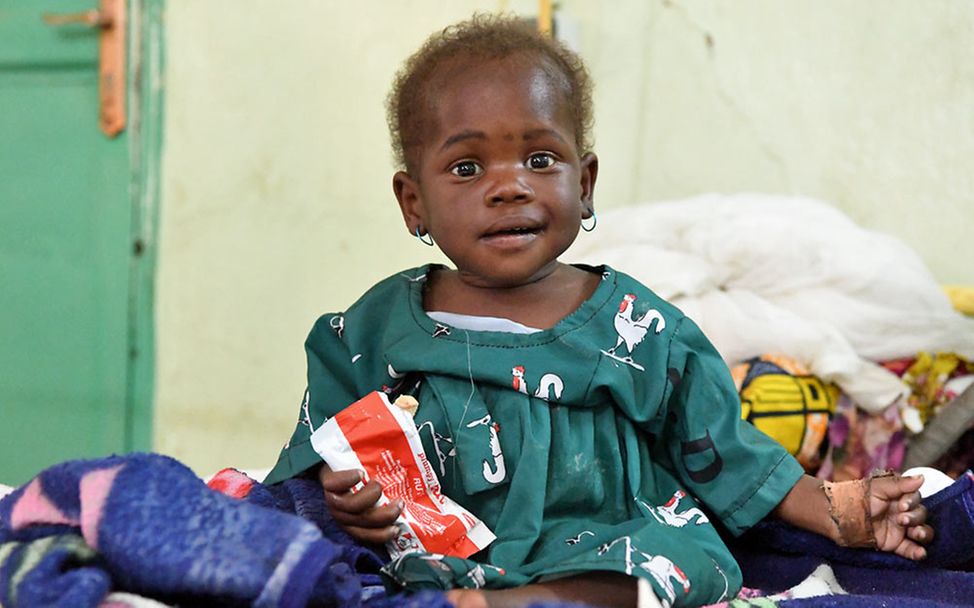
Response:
column 508, row 186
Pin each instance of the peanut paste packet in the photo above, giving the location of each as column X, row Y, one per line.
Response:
column 379, row 438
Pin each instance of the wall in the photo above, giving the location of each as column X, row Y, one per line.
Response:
column 277, row 203
column 868, row 105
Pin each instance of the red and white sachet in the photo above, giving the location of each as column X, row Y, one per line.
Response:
column 379, row 438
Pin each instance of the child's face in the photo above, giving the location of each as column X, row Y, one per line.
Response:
column 500, row 186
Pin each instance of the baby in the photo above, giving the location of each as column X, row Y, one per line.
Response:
column 585, row 420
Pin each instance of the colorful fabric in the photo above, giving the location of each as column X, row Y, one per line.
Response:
column 860, row 443
column 934, row 379
column 583, row 447
column 782, row 399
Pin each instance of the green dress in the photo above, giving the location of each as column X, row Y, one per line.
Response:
column 589, row 446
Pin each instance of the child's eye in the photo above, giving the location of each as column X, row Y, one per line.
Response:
column 466, row 168
column 541, row 160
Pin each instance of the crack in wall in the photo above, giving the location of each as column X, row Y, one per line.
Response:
column 724, row 95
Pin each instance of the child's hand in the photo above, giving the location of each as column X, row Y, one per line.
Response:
column 356, row 511
column 899, row 519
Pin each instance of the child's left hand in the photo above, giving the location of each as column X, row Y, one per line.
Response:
column 898, row 517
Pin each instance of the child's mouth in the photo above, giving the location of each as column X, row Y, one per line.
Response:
column 514, row 232
column 512, row 237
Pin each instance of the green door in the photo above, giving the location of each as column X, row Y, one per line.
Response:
column 74, row 260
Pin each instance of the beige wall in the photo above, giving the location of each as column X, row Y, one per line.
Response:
column 868, row 105
column 276, row 180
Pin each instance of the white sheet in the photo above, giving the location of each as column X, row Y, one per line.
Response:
column 764, row 273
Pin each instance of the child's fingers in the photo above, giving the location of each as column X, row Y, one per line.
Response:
column 376, row 517
column 893, row 488
column 338, row 481
column 910, row 550
column 357, row 502
column 921, row 534
column 912, row 513
column 910, row 484
column 375, row 536
column 909, row 502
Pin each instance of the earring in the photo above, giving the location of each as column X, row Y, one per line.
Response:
column 427, row 241
column 595, row 222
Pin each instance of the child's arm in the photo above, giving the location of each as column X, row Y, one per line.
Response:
column 356, row 511
column 888, row 514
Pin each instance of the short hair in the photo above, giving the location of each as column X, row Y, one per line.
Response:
column 483, row 36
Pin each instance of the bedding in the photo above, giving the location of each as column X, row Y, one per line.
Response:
column 143, row 524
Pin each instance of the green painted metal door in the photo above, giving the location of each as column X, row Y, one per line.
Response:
column 67, row 286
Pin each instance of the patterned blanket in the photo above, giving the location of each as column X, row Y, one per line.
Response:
column 117, row 531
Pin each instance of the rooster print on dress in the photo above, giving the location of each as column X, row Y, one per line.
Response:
column 337, row 323
column 550, row 385
column 670, row 515
column 578, row 538
column 519, row 383
column 494, row 472
column 443, row 446
column 632, row 331
column 661, row 568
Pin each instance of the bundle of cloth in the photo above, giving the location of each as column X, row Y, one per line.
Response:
column 143, row 530
column 779, row 274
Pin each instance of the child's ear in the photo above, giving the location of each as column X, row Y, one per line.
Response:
column 410, row 202
column 589, row 170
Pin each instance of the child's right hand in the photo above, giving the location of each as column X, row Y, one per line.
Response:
column 356, row 511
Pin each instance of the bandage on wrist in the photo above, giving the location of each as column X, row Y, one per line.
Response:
column 849, row 510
